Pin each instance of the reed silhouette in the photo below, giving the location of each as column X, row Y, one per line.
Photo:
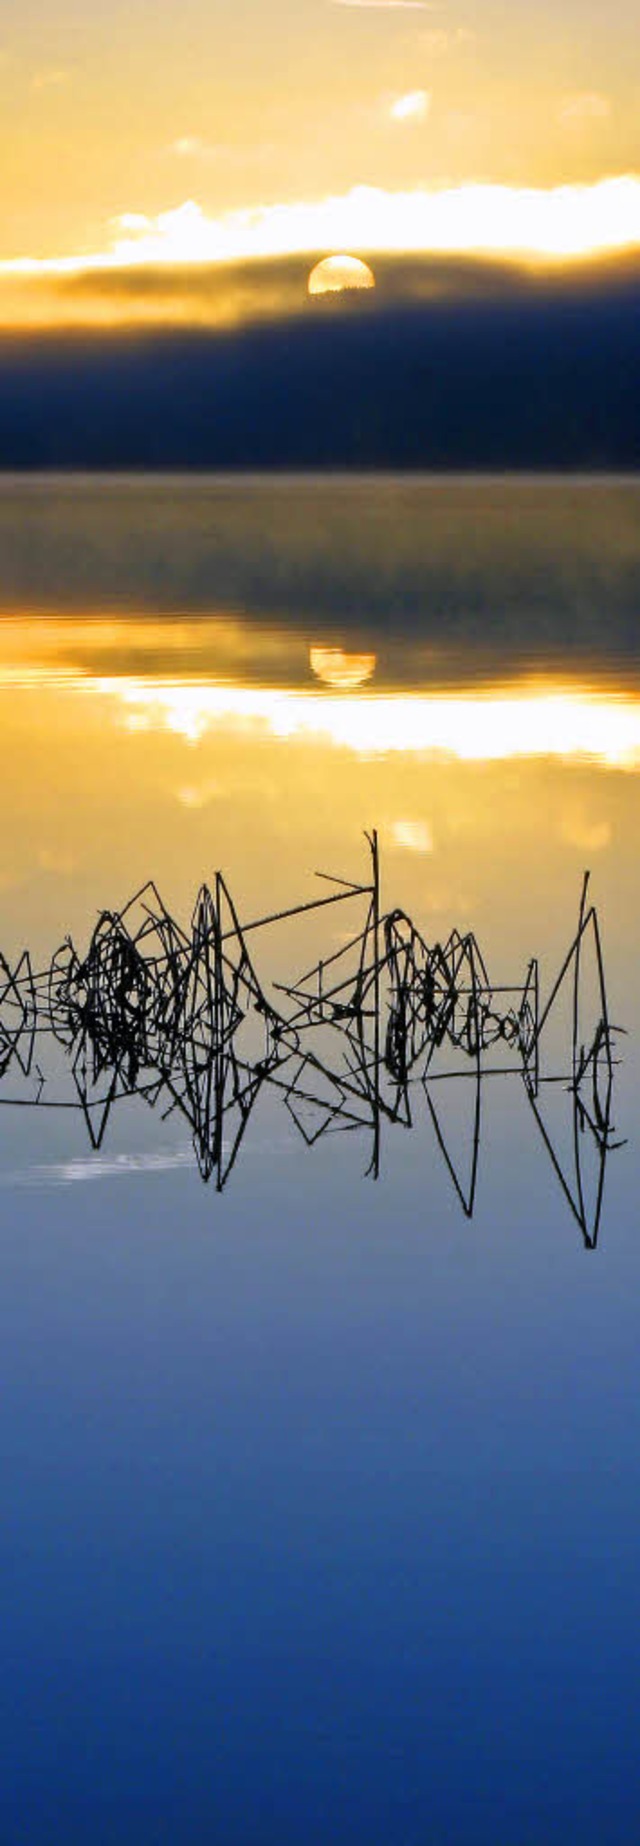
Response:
column 182, row 1019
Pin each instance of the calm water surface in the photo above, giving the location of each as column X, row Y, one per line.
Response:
column 320, row 1498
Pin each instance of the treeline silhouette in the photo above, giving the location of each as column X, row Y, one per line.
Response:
column 533, row 379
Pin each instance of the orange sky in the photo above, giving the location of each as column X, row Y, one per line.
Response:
column 200, row 133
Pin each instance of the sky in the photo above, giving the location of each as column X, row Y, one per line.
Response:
column 139, row 132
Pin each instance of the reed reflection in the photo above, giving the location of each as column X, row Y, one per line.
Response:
column 383, row 1033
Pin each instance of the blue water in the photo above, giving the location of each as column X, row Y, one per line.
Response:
column 320, row 1515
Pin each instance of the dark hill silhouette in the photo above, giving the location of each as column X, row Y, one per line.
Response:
column 531, row 377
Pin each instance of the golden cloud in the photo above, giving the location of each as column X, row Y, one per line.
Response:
column 560, row 222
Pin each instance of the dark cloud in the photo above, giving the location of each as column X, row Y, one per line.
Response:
column 216, row 294
column 244, row 293
column 447, row 364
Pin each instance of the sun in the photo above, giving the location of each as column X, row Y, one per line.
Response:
column 337, row 273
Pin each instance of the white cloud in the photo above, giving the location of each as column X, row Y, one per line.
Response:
column 585, row 106
column 412, row 835
column 560, row 221
column 414, row 107
column 476, row 728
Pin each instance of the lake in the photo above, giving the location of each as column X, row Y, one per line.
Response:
column 318, row 1318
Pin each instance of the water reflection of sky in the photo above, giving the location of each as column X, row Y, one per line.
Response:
column 321, row 1503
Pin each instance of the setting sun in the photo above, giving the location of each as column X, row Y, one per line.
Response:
column 334, row 274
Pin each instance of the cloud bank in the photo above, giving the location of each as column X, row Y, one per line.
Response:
column 560, row 222
column 219, row 296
